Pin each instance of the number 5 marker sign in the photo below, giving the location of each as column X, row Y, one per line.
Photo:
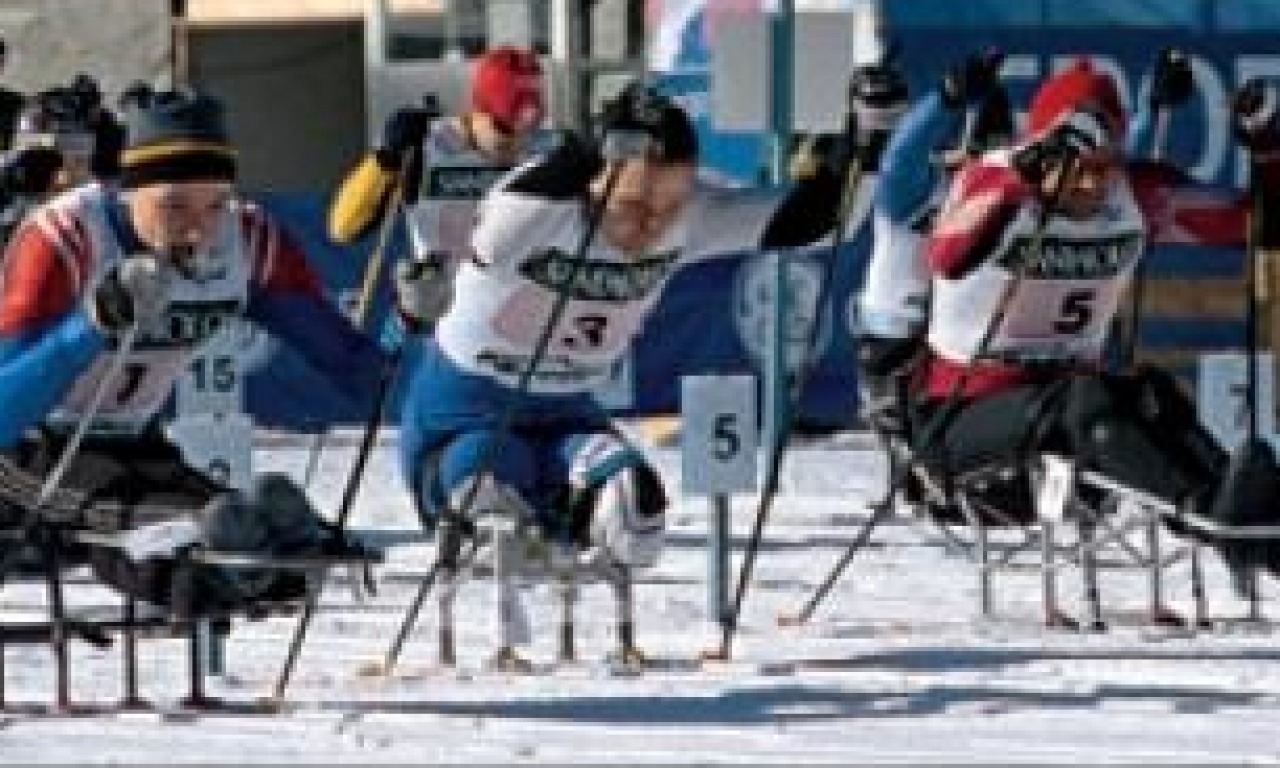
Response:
column 718, row 434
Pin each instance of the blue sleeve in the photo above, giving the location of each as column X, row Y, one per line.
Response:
column 907, row 177
column 38, row 367
column 315, row 329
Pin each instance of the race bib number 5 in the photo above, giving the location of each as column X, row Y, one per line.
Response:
column 1047, row 312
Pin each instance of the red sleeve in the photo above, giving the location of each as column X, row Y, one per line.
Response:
column 279, row 265
column 984, row 198
column 38, row 280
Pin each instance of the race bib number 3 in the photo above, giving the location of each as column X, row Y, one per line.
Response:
column 582, row 328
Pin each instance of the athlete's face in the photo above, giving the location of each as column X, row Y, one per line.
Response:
column 502, row 143
column 1085, row 186
column 646, row 201
column 177, row 219
column 76, row 169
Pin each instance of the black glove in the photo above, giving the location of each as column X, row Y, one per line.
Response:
column 632, row 124
column 30, row 172
column 108, row 142
column 135, row 290
column 423, row 290
column 1172, row 81
column 1253, row 113
column 968, row 83
column 405, row 130
column 1080, row 134
column 877, row 98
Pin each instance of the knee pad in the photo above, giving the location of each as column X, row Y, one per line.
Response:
column 628, row 518
column 477, row 499
column 483, row 495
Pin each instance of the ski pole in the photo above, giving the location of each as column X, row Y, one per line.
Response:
column 881, row 511
column 1129, row 343
column 853, row 177
column 386, row 382
column 368, row 287
column 1159, row 144
column 349, row 494
column 53, row 481
column 853, row 174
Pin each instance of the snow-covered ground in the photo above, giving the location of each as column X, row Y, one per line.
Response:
column 896, row 667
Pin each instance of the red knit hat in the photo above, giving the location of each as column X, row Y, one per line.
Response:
column 1077, row 88
column 506, row 85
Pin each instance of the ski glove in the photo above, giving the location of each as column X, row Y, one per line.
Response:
column 1172, row 80
column 405, row 130
column 30, row 172
column 1253, row 113
column 423, row 290
column 1080, row 134
column 108, row 142
column 877, row 100
column 970, row 82
column 135, row 291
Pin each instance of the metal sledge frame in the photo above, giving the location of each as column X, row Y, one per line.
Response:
column 203, row 632
column 1096, row 527
column 1157, row 509
column 517, row 554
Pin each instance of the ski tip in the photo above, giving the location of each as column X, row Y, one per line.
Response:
column 135, row 704
column 273, row 704
column 720, row 654
column 374, row 669
column 790, row 620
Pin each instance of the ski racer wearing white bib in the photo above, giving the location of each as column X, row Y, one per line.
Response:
column 557, row 460
column 1061, row 221
column 448, row 165
column 149, row 271
column 968, row 114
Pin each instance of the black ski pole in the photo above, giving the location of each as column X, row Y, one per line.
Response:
column 882, row 509
column 371, row 278
column 53, row 481
column 618, row 146
column 851, row 182
column 386, row 383
column 1169, row 58
column 350, row 492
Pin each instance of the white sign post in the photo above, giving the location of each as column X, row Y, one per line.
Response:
column 1221, row 396
column 718, row 443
